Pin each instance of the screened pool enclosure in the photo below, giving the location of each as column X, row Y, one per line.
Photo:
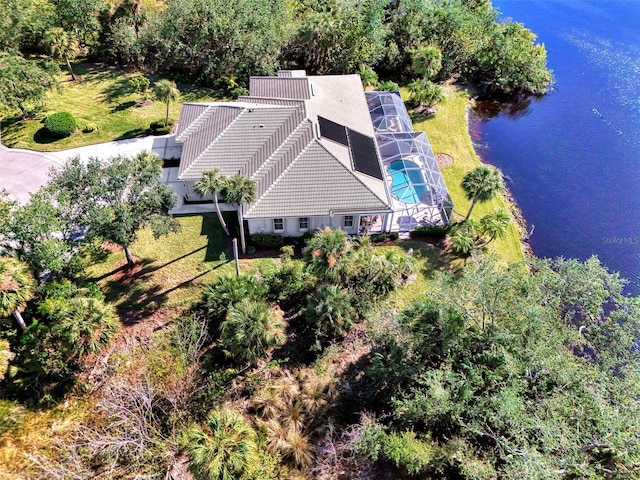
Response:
column 420, row 196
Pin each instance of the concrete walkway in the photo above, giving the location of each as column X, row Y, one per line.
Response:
column 23, row 172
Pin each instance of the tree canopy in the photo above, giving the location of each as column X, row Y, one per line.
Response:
column 113, row 199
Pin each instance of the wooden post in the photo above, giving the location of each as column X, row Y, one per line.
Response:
column 235, row 255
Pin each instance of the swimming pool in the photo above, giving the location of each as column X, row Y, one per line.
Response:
column 407, row 182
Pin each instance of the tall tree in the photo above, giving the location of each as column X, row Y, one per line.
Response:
column 17, row 286
column 166, row 91
column 63, row 46
column 241, row 191
column 212, row 183
column 115, row 198
column 481, row 185
column 24, row 84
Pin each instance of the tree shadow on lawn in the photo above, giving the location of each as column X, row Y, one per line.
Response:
column 123, row 106
column 437, row 258
column 116, row 89
column 135, row 133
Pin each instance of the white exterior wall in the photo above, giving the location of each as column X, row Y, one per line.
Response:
column 292, row 225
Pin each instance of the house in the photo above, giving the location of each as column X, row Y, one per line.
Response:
column 321, row 154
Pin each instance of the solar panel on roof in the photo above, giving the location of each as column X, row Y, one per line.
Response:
column 333, row 131
column 364, row 154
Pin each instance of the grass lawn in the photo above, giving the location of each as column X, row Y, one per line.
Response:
column 448, row 133
column 102, row 98
column 173, row 269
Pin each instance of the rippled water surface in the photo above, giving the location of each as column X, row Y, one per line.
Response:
column 572, row 158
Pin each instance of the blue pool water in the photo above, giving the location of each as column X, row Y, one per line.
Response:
column 406, row 185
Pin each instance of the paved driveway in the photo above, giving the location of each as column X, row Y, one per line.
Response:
column 23, row 172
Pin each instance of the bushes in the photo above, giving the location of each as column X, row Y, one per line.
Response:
column 89, row 128
column 60, row 125
column 160, row 128
column 425, row 231
column 267, row 240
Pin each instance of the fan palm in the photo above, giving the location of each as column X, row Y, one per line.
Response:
column 212, row 183
column 17, row 286
column 481, row 185
column 330, row 309
column 463, row 237
column 324, row 249
column 63, row 46
column 87, row 324
column 494, row 225
column 223, row 449
column 5, row 357
column 425, row 92
column 251, row 329
column 165, row 91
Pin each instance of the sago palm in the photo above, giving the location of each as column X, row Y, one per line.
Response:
column 17, row 287
column 223, row 449
column 212, row 183
column 481, row 185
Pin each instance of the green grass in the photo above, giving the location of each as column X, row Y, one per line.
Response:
column 174, row 269
column 102, row 98
column 448, row 133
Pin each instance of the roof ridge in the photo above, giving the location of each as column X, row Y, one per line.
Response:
column 199, row 120
column 195, row 160
column 280, row 148
column 284, row 172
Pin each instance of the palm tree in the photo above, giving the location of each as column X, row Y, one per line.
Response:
column 240, row 191
column 5, row 357
column 323, row 251
column 87, row 324
column 224, row 449
column 212, row 183
column 17, row 286
column 494, row 226
column 463, row 237
column 251, row 329
column 63, row 46
column 165, row 91
column 481, row 185
column 425, row 92
column 330, row 309
column 427, row 61
column 368, row 76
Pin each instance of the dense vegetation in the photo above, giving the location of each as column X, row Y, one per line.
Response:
column 221, row 43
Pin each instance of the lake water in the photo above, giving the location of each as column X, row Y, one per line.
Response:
column 572, row 158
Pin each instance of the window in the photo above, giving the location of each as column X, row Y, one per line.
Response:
column 303, row 223
column 348, row 221
column 278, row 224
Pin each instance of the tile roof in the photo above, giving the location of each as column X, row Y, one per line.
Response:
column 280, row 87
column 316, row 183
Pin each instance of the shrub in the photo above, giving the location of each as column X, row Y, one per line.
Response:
column 267, row 240
column 379, row 237
column 90, row 127
column 387, row 86
column 393, row 236
column 159, row 128
column 424, row 231
column 60, row 125
column 226, row 291
column 139, row 84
